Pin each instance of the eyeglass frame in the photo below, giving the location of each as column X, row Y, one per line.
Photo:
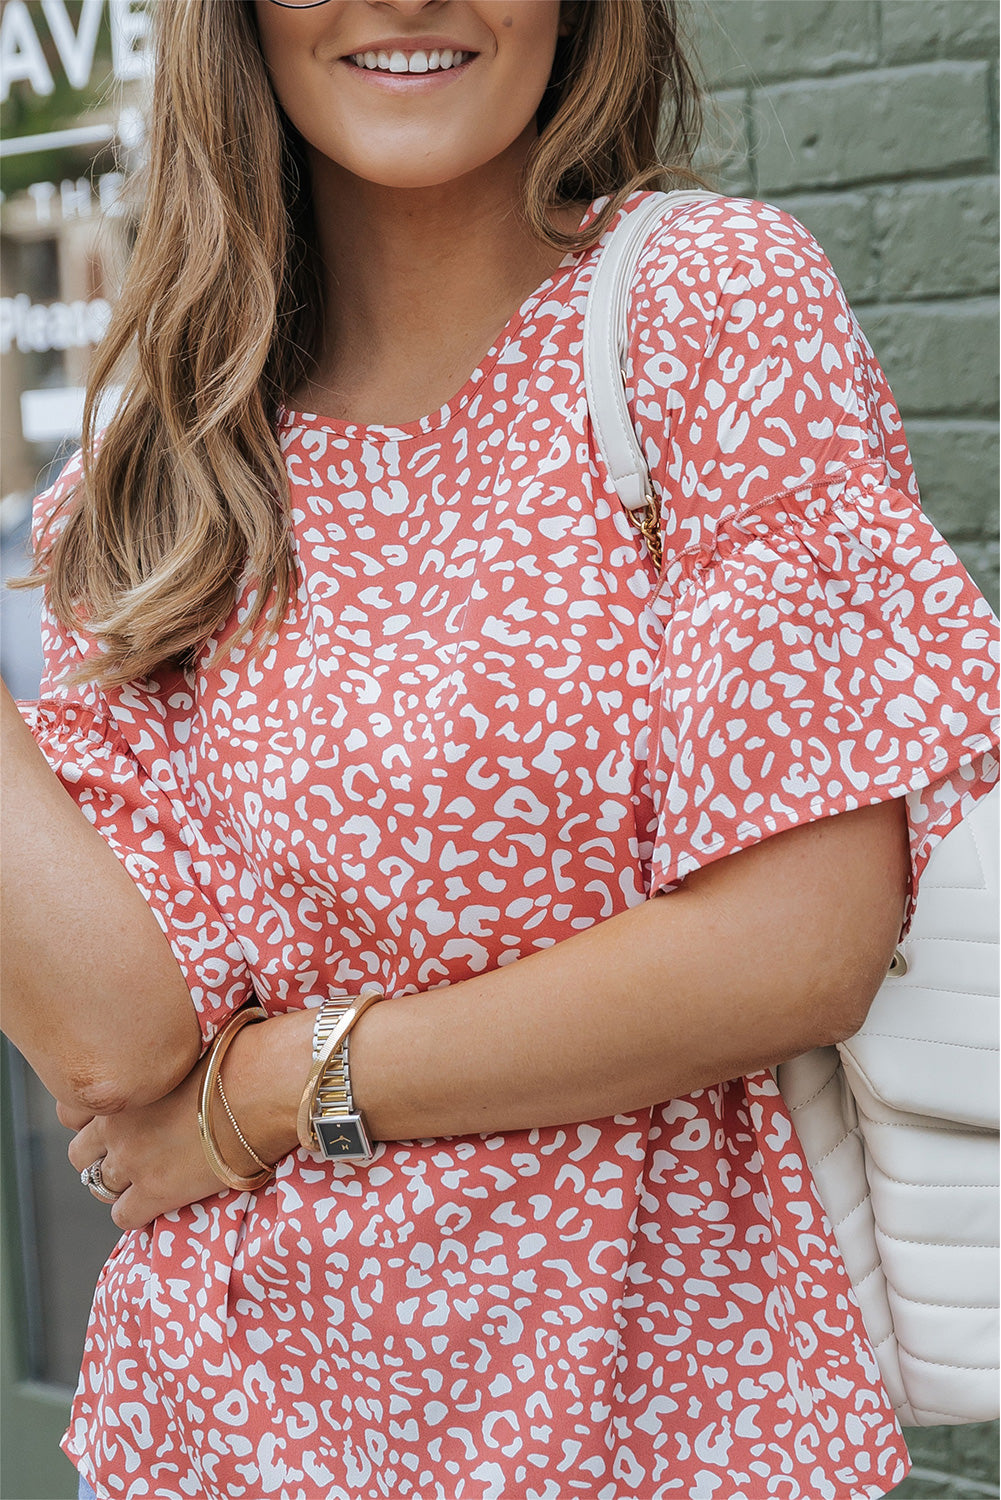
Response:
column 299, row 4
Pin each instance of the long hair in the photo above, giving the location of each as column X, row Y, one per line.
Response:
column 184, row 499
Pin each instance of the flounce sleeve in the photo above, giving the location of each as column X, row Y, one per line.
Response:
column 825, row 650
column 112, row 752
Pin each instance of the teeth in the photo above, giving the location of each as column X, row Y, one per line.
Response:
column 416, row 62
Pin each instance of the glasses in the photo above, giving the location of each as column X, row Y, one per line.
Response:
column 298, row 4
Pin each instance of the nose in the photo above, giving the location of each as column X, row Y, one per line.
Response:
column 405, row 7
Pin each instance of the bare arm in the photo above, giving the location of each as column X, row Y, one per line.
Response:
column 758, row 957
column 93, row 995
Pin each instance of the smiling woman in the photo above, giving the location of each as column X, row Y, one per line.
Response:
column 488, row 867
column 402, row 125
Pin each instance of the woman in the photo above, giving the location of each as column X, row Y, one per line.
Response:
column 363, row 696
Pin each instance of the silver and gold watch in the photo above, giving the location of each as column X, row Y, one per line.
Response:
column 335, row 1128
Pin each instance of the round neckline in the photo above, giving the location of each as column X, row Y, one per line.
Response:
column 292, row 417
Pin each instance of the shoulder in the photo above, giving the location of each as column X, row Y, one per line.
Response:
column 702, row 258
column 719, row 234
column 50, row 507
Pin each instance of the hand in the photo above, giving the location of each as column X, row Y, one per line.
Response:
column 151, row 1154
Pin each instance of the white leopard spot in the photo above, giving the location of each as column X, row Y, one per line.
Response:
column 894, row 666
column 905, row 712
column 732, row 428
column 762, row 657
column 406, row 1312
column 530, row 1244
column 942, row 595
column 393, row 501
column 497, row 630
column 521, row 803
column 755, row 1349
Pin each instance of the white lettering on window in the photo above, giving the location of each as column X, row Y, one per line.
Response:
column 75, row 48
column 36, row 327
column 131, row 39
column 21, row 55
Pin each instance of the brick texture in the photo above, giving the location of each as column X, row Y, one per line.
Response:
column 937, row 239
column 940, row 357
column 787, row 38
column 914, row 30
column 874, row 123
column 866, row 127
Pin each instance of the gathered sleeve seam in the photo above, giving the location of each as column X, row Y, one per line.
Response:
column 842, row 475
column 697, row 559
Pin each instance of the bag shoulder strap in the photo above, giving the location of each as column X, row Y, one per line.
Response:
column 606, row 338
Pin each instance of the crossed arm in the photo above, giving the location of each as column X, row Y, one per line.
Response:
column 756, row 958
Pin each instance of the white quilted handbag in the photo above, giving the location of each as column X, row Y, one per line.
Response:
column 900, row 1124
column 900, row 1127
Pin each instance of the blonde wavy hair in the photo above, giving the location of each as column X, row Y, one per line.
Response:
column 184, row 500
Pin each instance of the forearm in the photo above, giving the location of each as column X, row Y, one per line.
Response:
column 93, row 995
column 745, row 966
column 762, row 955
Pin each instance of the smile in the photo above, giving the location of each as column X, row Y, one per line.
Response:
column 434, row 61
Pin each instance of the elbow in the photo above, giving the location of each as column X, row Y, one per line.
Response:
column 100, row 1063
column 103, row 1086
column 855, row 959
column 849, row 991
column 96, row 1094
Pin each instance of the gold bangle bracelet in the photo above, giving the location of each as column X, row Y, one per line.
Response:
column 304, row 1123
column 265, row 1166
column 217, row 1052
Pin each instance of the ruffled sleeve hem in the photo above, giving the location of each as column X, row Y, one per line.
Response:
column 92, row 758
column 824, row 651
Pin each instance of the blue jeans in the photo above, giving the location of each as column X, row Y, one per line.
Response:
column 85, row 1492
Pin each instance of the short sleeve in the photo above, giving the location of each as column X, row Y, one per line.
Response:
column 111, row 753
column 823, row 649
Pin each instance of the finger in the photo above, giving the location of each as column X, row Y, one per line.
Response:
column 114, row 1179
column 72, row 1116
column 103, row 1183
column 130, row 1212
column 86, row 1146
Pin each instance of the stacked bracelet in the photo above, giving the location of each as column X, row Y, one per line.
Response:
column 327, row 1121
column 211, row 1082
column 264, row 1165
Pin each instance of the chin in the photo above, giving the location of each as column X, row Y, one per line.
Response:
column 404, row 175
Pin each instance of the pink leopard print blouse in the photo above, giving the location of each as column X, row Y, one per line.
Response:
column 485, row 726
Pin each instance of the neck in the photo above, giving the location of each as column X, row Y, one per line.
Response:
column 418, row 277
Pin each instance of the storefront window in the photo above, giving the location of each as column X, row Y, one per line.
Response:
column 73, row 82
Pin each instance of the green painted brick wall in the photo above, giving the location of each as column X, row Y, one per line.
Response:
column 875, row 123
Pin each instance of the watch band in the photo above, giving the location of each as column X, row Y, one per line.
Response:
column 328, row 1121
column 339, row 1129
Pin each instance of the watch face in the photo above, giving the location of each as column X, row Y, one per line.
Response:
column 344, row 1138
